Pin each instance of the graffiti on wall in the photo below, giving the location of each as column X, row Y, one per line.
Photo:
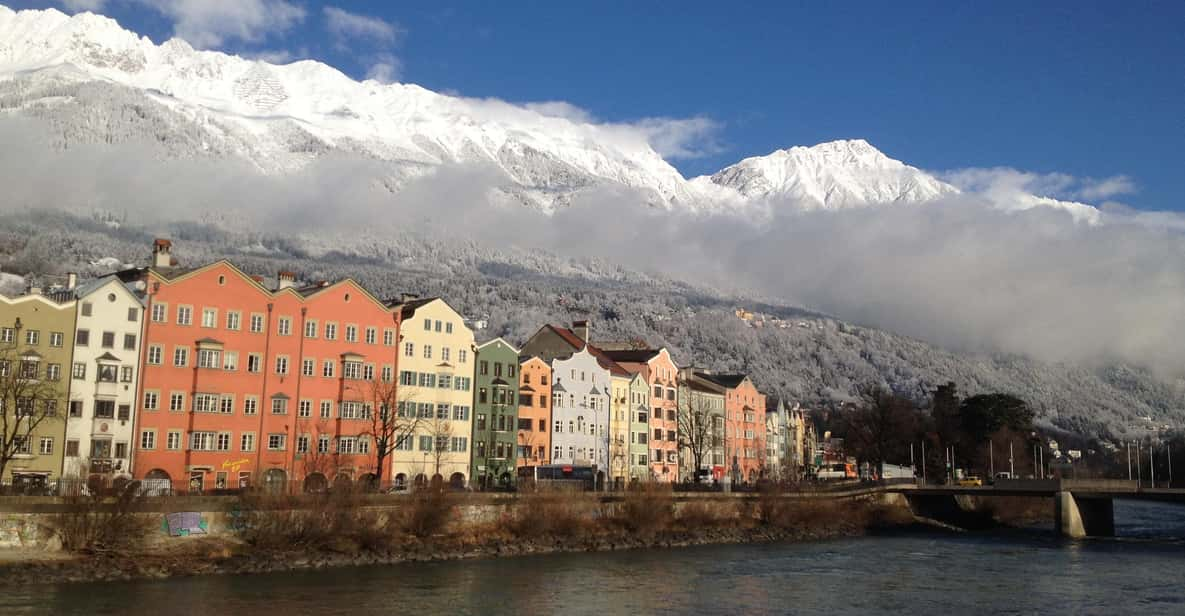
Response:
column 185, row 523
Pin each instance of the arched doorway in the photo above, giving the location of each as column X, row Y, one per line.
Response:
column 369, row 482
column 400, row 482
column 157, row 483
column 315, row 483
column 600, row 481
column 456, row 481
column 275, row 481
column 437, row 481
column 421, row 481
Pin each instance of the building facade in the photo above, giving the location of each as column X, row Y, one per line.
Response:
column 534, row 412
column 436, row 371
column 36, row 348
column 701, row 408
column 661, row 375
column 619, row 426
column 495, row 415
column 639, row 428
column 580, row 412
column 105, row 375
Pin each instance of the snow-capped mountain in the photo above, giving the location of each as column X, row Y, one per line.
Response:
column 831, row 175
column 95, row 82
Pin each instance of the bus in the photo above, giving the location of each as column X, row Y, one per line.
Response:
column 557, row 476
column 838, row 470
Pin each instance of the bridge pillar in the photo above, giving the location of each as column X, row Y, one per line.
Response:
column 1078, row 517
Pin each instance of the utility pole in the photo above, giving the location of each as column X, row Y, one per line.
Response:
column 1152, row 460
column 923, row 462
column 1011, row 466
column 1170, row 464
column 1128, row 447
column 1139, row 469
column 991, row 458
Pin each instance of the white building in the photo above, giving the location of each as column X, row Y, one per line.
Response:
column 580, row 394
column 103, row 379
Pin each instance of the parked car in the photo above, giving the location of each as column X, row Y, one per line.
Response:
column 1005, row 475
column 971, row 481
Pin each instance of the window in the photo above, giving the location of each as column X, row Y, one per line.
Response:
column 460, row 413
column 277, row 442
column 427, row 379
column 108, row 340
column 53, row 372
column 427, row 351
column 6, row 335
column 389, row 337
column 483, row 395
column 409, row 349
column 483, row 367
column 368, row 372
column 438, row 326
column 308, row 367
column 279, row 406
column 46, row 446
column 460, row 444
column 151, row 400
column 209, row 358
column 184, row 315
column 129, row 342
column 388, row 373
column 209, row 317
column 81, row 338
column 177, row 401
column 56, row 338
column 371, row 335
column 205, row 403
column 254, row 363
column 230, row 360
column 444, row 353
column 354, row 410
column 302, row 443
column 462, row 355
column 442, row 410
column 305, row 408
column 444, row 381
column 133, row 315
column 331, row 331
column 448, row 328
column 147, row 439
column 226, row 405
column 427, row 325
column 180, row 356
column 247, row 441
column 223, row 443
column 284, row 326
column 233, row 318
column 323, row 443
column 108, row 373
column 281, row 364
column 87, row 309
column 155, row 352
column 462, row 383
column 407, row 377
column 202, row 441
column 159, row 312
column 559, row 427
column 326, row 409
column 425, row 443
column 498, row 370
column 351, row 333
column 173, row 439
column 257, row 323
column 310, row 329
column 250, row 405
column 75, row 408
column 345, row 444
column 352, row 370
column 72, row 449
column 327, row 368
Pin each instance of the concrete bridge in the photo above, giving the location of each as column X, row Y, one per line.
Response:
column 1082, row 507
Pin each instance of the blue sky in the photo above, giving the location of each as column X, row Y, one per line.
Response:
column 1091, row 90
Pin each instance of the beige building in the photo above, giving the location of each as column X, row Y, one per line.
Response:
column 436, row 369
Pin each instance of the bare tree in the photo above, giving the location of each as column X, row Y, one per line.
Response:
column 441, row 431
column 28, row 399
column 391, row 423
column 882, row 428
column 695, row 427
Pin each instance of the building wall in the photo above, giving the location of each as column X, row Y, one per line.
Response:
column 495, row 413
column 661, row 378
column 619, row 428
column 697, row 400
column 580, row 417
column 100, row 427
column 534, row 412
column 54, row 327
column 639, row 429
column 422, row 352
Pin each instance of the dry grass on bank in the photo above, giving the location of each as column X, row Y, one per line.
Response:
column 700, row 514
column 93, row 524
column 553, row 514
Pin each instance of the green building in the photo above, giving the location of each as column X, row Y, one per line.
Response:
column 495, row 415
column 639, row 418
column 36, row 346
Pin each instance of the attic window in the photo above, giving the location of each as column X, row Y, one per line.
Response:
column 347, row 297
column 221, row 280
column 110, row 297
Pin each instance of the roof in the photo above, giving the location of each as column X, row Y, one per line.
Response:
column 408, row 308
column 731, row 381
column 107, row 357
column 91, row 286
column 639, row 356
column 577, row 343
column 557, row 386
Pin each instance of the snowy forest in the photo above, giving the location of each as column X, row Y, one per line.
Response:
column 814, row 359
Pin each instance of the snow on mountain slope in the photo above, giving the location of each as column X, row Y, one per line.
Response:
column 95, row 82
column 831, row 175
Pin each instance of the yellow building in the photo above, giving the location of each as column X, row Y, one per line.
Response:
column 436, row 362
column 619, row 426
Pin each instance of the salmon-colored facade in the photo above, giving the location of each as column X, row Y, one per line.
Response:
column 534, row 412
column 661, row 374
column 243, row 385
column 744, row 409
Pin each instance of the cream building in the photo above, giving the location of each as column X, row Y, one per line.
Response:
column 100, row 418
column 436, row 368
column 619, row 426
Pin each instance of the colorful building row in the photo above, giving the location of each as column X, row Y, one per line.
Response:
column 210, row 378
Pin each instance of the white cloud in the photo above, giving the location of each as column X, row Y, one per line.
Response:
column 1107, row 187
column 386, row 68
column 78, row 6
column 681, row 138
column 212, row 23
column 561, row 109
column 346, row 27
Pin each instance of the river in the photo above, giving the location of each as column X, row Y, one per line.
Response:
column 920, row 572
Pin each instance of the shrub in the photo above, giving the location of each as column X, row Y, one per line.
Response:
column 647, row 508
column 425, row 513
column 706, row 514
column 543, row 514
column 96, row 523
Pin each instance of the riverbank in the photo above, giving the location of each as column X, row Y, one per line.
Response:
column 274, row 538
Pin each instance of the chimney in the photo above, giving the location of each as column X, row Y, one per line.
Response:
column 286, row 278
column 162, row 253
column 71, row 281
column 407, row 297
column 582, row 329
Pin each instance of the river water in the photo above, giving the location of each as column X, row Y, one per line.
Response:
column 1017, row 572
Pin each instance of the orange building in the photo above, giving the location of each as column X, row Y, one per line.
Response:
column 242, row 383
column 534, row 412
column 661, row 374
